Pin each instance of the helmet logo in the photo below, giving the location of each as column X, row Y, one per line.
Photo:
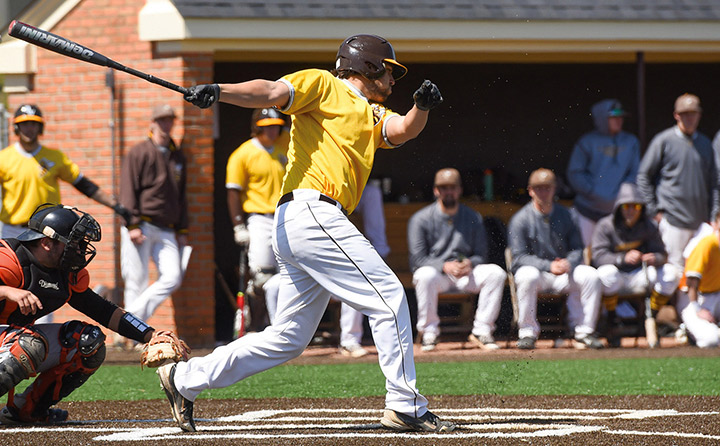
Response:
column 49, row 232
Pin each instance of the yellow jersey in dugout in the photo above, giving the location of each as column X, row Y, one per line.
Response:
column 704, row 264
column 335, row 132
column 258, row 173
column 31, row 179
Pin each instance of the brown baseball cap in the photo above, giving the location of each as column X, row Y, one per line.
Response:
column 541, row 177
column 447, row 176
column 687, row 103
column 162, row 111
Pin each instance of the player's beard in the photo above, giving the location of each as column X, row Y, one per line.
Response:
column 379, row 93
column 449, row 202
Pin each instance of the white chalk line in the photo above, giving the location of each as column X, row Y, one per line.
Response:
column 506, row 419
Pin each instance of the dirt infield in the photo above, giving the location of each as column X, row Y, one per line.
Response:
column 482, row 419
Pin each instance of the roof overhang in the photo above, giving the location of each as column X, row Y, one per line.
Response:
column 19, row 58
column 246, row 39
column 458, row 41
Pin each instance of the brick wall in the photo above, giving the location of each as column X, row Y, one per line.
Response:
column 77, row 107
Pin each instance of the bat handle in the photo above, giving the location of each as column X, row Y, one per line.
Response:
column 148, row 77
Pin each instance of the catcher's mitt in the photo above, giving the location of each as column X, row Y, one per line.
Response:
column 163, row 345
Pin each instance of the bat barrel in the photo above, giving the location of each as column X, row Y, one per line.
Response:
column 68, row 48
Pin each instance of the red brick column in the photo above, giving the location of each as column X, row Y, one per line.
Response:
column 77, row 107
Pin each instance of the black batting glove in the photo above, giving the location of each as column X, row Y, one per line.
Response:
column 204, row 95
column 427, row 96
column 123, row 212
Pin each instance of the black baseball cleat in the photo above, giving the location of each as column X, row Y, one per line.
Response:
column 9, row 416
column 429, row 422
column 182, row 408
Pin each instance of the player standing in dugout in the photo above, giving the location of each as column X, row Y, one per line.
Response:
column 338, row 123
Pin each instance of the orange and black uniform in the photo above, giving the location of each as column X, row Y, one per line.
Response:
column 54, row 288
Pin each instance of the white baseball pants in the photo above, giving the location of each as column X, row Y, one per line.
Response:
column 320, row 253
column 12, row 231
column 260, row 251
column 262, row 258
column 584, row 297
column 351, row 326
column 705, row 333
column 675, row 240
column 488, row 280
column 161, row 245
column 664, row 280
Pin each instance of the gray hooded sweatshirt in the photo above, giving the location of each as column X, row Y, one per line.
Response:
column 600, row 163
column 612, row 238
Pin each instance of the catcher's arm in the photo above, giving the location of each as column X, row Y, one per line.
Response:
column 129, row 326
column 159, row 345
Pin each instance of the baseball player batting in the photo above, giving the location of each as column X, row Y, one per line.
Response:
column 338, row 123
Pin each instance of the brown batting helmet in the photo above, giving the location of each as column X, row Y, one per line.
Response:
column 367, row 55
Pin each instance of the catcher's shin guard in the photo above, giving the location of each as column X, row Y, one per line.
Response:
column 83, row 351
column 22, row 350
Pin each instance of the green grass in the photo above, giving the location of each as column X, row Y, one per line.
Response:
column 645, row 376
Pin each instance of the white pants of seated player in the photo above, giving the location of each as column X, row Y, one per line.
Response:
column 321, row 253
column 664, row 280
column 705, row 333
column 351, row 326
column 52, row 334
column 161, row 246
column 488, row 280
column 583, row 303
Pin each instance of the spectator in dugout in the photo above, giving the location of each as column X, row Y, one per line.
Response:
column 448, row 250
column 547, row 254
column 622, row 242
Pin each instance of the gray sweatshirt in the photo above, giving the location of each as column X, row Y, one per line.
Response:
column 677, row 176
column 435, row 237
column 612, row 238
column 536, row 239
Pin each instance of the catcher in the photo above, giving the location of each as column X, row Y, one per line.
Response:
column 41, row 270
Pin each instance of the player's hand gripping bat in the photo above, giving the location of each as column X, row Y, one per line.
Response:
column 61, row 45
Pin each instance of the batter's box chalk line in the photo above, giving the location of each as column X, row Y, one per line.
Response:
column 320, row 423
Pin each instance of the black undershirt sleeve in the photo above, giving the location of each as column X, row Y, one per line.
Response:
column 100, row 310
column 86, row 187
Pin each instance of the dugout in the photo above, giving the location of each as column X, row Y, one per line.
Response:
column 509, row 118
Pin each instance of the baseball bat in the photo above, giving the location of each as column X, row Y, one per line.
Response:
column 650, row 323
column 61, row 45
column 242, row 311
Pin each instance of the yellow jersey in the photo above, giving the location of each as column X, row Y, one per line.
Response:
column 335, row 132
column 31, row 179
column 258, row 173
column 703, row 263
